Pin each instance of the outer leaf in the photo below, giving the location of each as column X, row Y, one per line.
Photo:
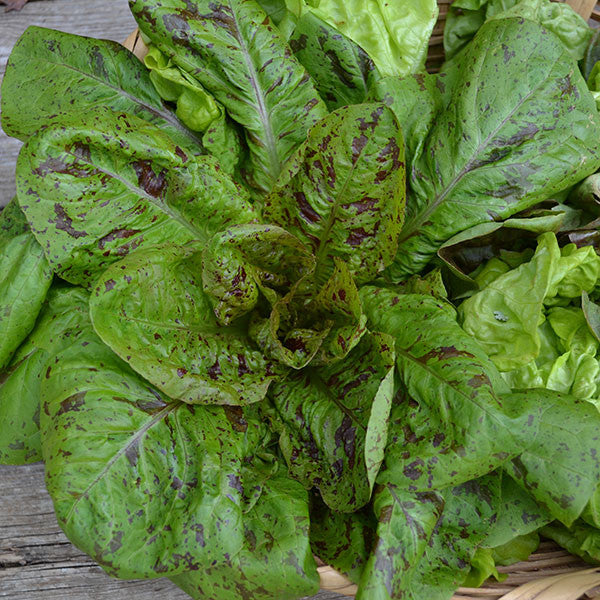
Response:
column 560, row 467
column 275, row 560
column 62, row 320
column 105, row 185
column 50, row 75
column 341, row 69
column 151, row 310
column 456, row 427
column 579, row 539
column 235, row 52
column 536, row 133
column 343, row 192
column 425, row 541
column 518, row 515
column 333, row 422
column 342, row 540
column 415, row 100
column 25, row 277
column 164, row 486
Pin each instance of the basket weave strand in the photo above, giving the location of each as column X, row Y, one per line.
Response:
column 549, row 574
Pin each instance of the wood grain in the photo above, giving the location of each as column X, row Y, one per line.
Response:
column 37, row 562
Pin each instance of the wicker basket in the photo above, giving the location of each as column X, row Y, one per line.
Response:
column 551, row 573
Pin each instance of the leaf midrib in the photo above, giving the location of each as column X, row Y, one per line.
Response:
column 274, row 161
column 161, row 205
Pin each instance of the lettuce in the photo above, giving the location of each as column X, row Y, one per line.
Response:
column 467, row 16
column 394, row 34
column 531, row 321
column 230, row 347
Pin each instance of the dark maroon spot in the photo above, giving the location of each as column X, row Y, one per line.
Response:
column 307, row 212
column 152, row 183
column 356, row 237
column 242, row 365
column 64, row 223
column 215, row 371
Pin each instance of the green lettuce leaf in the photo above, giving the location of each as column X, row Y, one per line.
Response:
column 104, row 185
column 342, row 193
column 150, row 308
column 342, row 540
column 425, row 541
column 24, row 280
column 275, row 560
column 195, row 107
column 415, row 100
column 580, row 539
column 450, row 425
column 559, row 466
column 63, row 318
column 394, row 35
column 233, row 50
column 505, row 142
column 52, row 75
column 333, row 422
column 464, row 253
column 341, row 69
column 504, row 316
column 166, row 487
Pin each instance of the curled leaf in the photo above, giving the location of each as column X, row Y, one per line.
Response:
column 151, row 310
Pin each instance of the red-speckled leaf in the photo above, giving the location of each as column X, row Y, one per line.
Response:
column 343, row 192
column 232, row 48
column 340, row 68
column 338, row 301
column 104, row 185
column 560, row 466
column 51, row 75
column 449, row 425
column 164, row 486
column 62, row 319
column 275, row 560
column 425, row 540
column 333, row 422
column 521, row 126
column 150, row 308
column 308, row 326
column 342, row 540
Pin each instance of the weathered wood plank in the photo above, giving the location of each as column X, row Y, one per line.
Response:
column 37, row 562
column 111, row 20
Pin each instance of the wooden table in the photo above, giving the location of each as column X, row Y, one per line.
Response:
column 37, row 562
